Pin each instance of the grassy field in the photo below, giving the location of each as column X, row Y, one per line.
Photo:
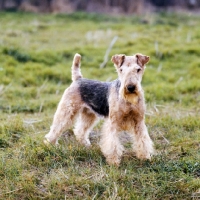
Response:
column 36, row 52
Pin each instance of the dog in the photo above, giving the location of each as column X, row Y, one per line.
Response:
column 121, row 102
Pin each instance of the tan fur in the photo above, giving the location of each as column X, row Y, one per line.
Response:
column 76, row 72
column 84, row 124
column 126, row 111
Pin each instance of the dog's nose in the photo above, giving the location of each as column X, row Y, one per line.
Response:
column 131, row 88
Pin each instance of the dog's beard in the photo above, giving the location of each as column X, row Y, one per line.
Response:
column 130, row 97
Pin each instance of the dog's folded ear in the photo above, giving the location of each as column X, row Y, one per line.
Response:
column 118, row 59
column 142, row 59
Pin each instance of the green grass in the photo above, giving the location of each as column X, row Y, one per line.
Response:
column 36, row 52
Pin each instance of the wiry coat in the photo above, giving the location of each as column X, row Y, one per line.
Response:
column 120, row 102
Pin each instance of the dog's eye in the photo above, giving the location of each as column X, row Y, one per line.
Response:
column 120, row 70
column 138, row 70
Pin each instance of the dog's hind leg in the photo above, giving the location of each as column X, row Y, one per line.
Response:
column 65, row 115
column 84, row 124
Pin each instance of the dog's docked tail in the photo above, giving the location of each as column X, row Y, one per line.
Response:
column 76, row 71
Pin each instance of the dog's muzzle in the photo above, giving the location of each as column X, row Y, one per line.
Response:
column 131, row 88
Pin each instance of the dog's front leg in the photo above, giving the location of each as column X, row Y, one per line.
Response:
column 110, row 143
column 143, row 145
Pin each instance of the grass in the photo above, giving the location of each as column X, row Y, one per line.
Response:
column 36, row 52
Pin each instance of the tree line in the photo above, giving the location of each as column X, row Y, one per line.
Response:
column 103, row 6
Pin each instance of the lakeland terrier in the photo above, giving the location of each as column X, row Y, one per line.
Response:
column 121, row 102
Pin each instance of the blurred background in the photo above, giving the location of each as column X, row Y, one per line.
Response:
column 104, row 6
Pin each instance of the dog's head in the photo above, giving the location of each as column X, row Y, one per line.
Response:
column 130, row 70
